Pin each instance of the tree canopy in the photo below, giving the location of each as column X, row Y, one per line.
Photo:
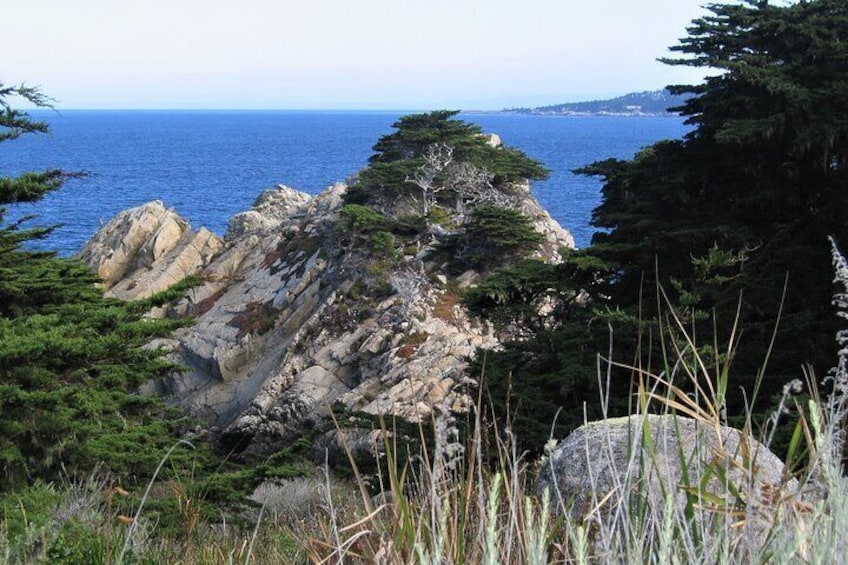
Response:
column 439, row 180
column 759, row 182
column 70, row 360
column 735, row 214
column 436, row 158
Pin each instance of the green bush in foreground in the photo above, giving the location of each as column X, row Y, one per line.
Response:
column 70, row 360
column 469, row 499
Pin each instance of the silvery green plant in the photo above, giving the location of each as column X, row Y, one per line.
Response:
column 836, row 405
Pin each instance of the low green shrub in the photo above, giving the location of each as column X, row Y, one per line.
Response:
column 357, row 218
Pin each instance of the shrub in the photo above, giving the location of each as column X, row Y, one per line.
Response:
column 494, row 237
column 384, row 244
column 362, row 219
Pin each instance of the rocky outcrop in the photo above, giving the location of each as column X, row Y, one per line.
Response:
column 555, row 237
column 271, row 209
column 146, row 249
column 296, row 315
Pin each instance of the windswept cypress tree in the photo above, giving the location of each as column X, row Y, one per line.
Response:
column 747, row 200
column 439, row 180
column 436, row 157
column 736, row 211
column 69, row 359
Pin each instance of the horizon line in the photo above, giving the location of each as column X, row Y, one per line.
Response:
column 249, row 109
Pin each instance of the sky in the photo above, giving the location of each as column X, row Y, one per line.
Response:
column 341, row 54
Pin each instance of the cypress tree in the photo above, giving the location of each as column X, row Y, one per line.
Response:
column 70, row 360
column 735, row 214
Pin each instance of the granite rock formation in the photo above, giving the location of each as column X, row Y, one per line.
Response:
column 294, row 317
column 145, row 250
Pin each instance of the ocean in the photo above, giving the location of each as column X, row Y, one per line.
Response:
column 209, row 165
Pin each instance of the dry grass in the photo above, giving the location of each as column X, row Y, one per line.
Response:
column 445, row 307
column 452, row 503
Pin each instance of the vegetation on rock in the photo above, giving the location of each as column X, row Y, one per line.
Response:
column 437, row 179
column 493, row 236
column 433, row 158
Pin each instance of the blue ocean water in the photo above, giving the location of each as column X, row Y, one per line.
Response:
column 210, row 165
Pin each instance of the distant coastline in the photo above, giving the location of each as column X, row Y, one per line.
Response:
column 654, row 103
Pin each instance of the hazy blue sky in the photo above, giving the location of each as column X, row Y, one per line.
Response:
column 343, row 54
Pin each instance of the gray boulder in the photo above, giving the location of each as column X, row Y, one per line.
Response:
column 602, row 457
column 604, row 470
column 270, row 210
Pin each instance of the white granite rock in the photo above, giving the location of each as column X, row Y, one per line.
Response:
column 282, row 326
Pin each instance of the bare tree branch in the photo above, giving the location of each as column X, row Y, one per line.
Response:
column 408, row 284
column 437, row 159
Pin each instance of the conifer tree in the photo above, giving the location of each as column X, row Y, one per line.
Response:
column 69, row 359
column 747, row 200
column 738, row 210
column 449, row 151
column 439, row 182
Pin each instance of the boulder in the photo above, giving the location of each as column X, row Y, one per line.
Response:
column 339, row 447
column 608, row 467
column 114, row 250
column 271, row 209
column 555, row 237
column 146, row 249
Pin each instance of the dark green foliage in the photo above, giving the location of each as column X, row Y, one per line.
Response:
column 434, row 180
column 416, row 132
column 33, row 282
column 760, row 180
column 400, row 155
column 290, row 461
column 362, row 219
column 493, row 237
column 535, row 378
column 14, row 123
column 49, row 523
column 77, row 543
column 70, row 359
column 508, row 164
column 784, row 85
column 738, row 210
column 384, row 244
column 31, row 186
column 359, row 220
column 65, row 393
column 29, row 508
column 515, row 296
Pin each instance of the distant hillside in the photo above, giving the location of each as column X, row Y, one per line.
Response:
column 649, row 103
